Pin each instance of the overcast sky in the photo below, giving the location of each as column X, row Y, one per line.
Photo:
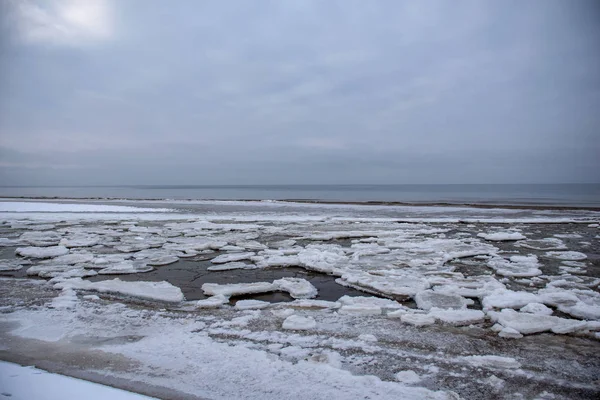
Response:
column 267, row 92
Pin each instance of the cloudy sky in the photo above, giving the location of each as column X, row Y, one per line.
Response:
column 267, row 92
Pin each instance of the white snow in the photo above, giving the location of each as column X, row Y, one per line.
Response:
column 161, row 291
column 29, row 383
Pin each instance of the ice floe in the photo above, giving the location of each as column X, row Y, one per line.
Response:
column 429, row 299
column 161, row 291
column 41, row 252
column 516, row 266
column 457, row 317
column 227, row 258
column 567, row 255
column 502, row 236
column 126, row 267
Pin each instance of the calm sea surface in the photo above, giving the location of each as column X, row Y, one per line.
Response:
column 551, row 194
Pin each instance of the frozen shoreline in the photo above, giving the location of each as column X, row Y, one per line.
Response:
column 486, row 205
column 438, row 299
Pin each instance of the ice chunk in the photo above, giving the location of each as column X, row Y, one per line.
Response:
column 11, row 265
column 297, row 322
column 581, row 310
column 66, row 299
column 80, row 241
column 73, row 258
column 163, row 260
column 428, row 299
column 213, row 301
column 495, row 383
column 126, row 267
column 567, row 255
column 225, row 258
column 502, row 236
column 231, row 266
column 41, row 239
column 361, row 305
column 508, row 299
column 297, row 288
column 509, row 333
column 417, row 319
column 42, row 252
column 367, row 337
column 322, row 258
column 493, row 362
column 401, row 286
column 315, row 304
column 516, row 266
column 6, row 242
column 236, row 289
column 527, row 323
column 251, row 304
column 457, row 317
column 545, row 244
column 536, row 308
column 408, row 376
column 162, row 291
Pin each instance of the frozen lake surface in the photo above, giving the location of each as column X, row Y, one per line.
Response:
column 231, row 299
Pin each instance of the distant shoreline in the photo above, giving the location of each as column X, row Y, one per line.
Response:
column 486, row 205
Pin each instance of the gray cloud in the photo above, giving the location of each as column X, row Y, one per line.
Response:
column 299, row 92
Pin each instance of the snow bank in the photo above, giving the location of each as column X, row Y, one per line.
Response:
column 25, row 383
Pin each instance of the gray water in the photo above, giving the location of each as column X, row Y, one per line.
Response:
column 584, row 195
